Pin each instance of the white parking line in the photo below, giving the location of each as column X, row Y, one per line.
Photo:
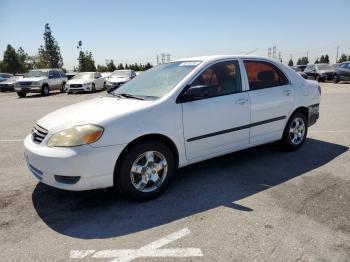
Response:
column 329, row 131
column 11, row 140
column 150, row 250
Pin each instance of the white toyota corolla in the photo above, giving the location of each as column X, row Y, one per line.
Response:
column 172, row 115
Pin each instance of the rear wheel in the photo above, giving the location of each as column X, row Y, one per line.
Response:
column 21, row 94
column 45, row 91
column 295, row 132
column 145, row 171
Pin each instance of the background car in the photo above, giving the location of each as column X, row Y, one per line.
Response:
column 106, row 74
column 342, row 72
column 85, row 81
column 320, row 72
column 9, row 84
column 4, row 76
column 70, row 75
column 117, row 78
column 300, row 70
column 41, row 81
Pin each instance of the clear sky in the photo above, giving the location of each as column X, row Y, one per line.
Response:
column 137, row 30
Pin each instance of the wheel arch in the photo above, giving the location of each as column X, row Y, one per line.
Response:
column 157, row 137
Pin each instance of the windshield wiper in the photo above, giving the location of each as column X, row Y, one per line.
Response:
column 129, row 96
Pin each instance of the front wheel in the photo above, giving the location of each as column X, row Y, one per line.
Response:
column 145, row 171
column 62, row 90
column 45, row 91
column 93, row 88
column 21, row 94
column 295, row 132
column 336, row 79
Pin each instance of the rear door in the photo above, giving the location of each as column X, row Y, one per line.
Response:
column 219, row 122
column 271, row 98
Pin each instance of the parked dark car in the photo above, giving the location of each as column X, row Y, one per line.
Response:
column 320, row 72
column 4, row 76
column 342, row 72
column 300, row 70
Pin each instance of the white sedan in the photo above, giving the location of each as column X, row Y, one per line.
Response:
column 86, row 81
column 170, row 116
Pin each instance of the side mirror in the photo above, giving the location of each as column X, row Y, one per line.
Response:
column 196, row 92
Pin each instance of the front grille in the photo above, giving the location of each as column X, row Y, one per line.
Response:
column 38, row 134
column 76, row 85
column 25, row 83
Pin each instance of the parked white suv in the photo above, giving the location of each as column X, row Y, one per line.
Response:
column 41, row 81
column 170, row 116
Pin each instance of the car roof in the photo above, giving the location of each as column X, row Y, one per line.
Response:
column 220, row 57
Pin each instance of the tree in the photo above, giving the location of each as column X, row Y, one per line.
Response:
column 120, row 67
column 26, row 61
column 321, row 59
column 342, row 58
column 10, row 63
column 303, row 61
column 326, row 59
column 111, row 66
column 102, row 68
column 291, row 63
column 49, row 53
column 86, row 61
column 349, row 58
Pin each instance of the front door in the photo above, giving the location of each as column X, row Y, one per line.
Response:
column 219, row 122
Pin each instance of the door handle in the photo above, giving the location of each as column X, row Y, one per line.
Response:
column 287, row 92
column 242, row 101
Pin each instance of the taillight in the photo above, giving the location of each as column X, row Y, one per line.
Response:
column 319, row 90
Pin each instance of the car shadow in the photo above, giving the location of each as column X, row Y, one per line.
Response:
column 197, row 188
column 37, row 95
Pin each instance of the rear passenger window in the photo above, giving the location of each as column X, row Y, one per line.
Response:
column 221, row 79
column 264, row 75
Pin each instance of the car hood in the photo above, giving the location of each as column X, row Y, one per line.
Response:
column 31, row 79
column 8, row 82
column 79, row 81
column 99, row 111
column 118, row 79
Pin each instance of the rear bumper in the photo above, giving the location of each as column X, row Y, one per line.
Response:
column 313, row 114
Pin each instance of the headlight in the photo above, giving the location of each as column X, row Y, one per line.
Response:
column 87, row 84
column 34, row 84
column 76, row 136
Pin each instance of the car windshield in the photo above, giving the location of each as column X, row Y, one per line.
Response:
column 325, row 67
column 121, row 74
column 84, row 76
column 157, row 81
column 35, row 73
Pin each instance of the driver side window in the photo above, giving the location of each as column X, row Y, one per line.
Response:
column 220, row 79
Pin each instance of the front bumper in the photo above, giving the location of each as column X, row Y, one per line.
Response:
column 72, row 168
column 28, row 89
column 112, row 87
column 78, row 89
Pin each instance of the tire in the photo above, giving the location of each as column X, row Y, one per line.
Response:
column 45, row 91
column 294, row 140
column 62, row 88
column 127, row 181
column 93, row 88
column 21, row 94
column 317, row 78
column 335, row 79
